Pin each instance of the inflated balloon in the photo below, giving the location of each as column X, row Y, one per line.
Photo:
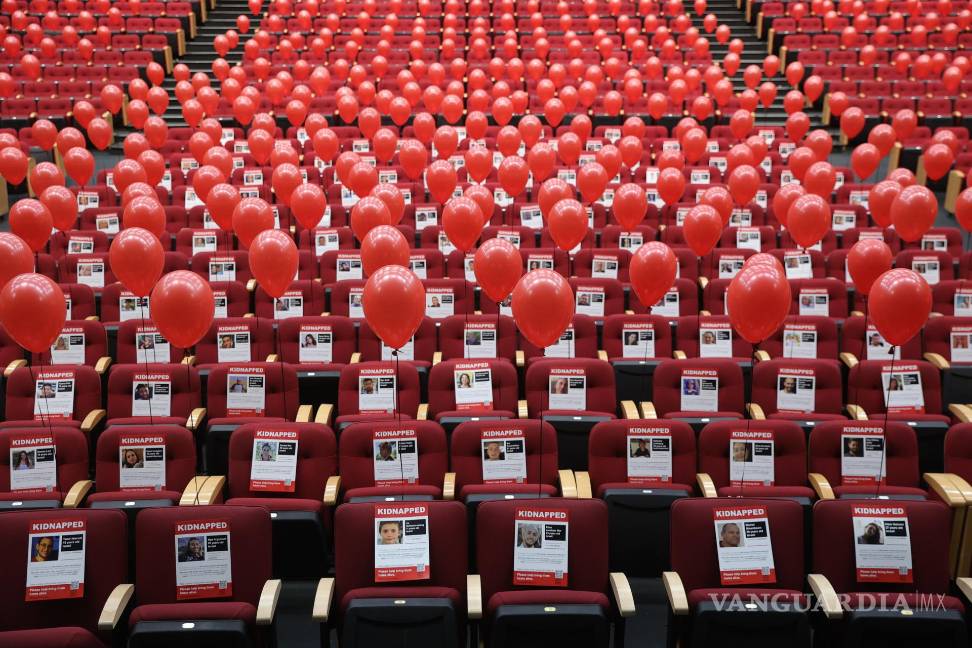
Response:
column 592, row 180
column 879, row 201
column 719, row 199
column 250, row 217
column 394, row 304
column 758, row 301
column 32, row 311
column 903, row 177
column 221, row 202
column 852, row 122
column 820, row 179
column 513, row 174
column 808, row 220
column 567, row 223
column 137, row 259
column 671, row 185
column 15, row 257
column 126, row 172
column 783, row 198
column 382, row 246
column 867, row 260
column 462, row 221
column 367, row 213
column 653, row 270
column 938, row 159
column 441, row 179
column 899, row 305
column 743, row 184
column 273, row 261
column 913, row 212
column 630, row 206
column 285, row 178
column 145, row 212
column 205, row 178
column 62, row 204
column 542, row 159
column 362, row 178
column 32, row 222
column 865, row 160
column 45, row 175
column 13, row 164
column 963, row 209
column 392, row 196
column 182, row 307
column 498, row 266
column 543, row 306
column 702, row 229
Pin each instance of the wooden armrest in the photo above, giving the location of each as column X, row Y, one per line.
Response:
column 267, row 607
column 520, row 358
column 474, row 597
column 102, row 365
column 195, row 419
column 945, row 488
column 423, row 412
column 115, row 606
column 331, row 490
column 964, row 584
column 848, row 359
column 568, row 486
column 189, row 360
column 679, row 355
column 856, row 313
column 602, row 355
column 92, row 318
column 629, row 312
column 703, row 282
column 761, row 356
column 305, row 413
column 324, row 414
column 623, row 597
column 962, row 412
column 436, row 358
column 583, row 480
column 92, row 420
column 938, row 360
column 79, row 490
column 322, row 600
column 251, row 285
column 355, row 358
column 273, row 357
column 203, row 491
column 706, row 485
column 629, row 409
column 252, row 315
column 449, row 486
column 821, row 486
column 648, row 410
column 677, row 598
column 962, row 486
column 522, row 411
column 755, row 412
column 705, row 313
column 826, row 596
column 856, row 412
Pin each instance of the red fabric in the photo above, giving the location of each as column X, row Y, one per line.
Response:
column 394, row 491
column 232, row 610
column 480, row 489
column 467, row 460
column 261, row 339
column 687, row 335
column 699, row 414
column 71, row 450
column 185, row 397
column 958, row 450
column 180, row 457
column 901, row 452
column 442, row 394
column 280, row 504
column 601, row 489
column 608, row 452
column 667, row 383
column 585, row 340
column 316, row 460
column 549, row 596
column 357, row 456
column 407, row 384
column 452, row 334
column 826, row 329
column 601, row 396
column 67, row 637
column 870, row 489
column 828, row 388
column 95, row 343
column 21, row 386
column 282, row 394
column 343, row 340
column 767, row 491
column 614, row 328
column 789, row 454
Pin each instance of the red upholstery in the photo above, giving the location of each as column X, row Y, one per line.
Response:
column 343, row 340
column 424, row 345
column 825, row 328
column 836, row 293
column 127, row 351
column 584, row 344
column 854, row 338
column 21, row 388
column 601, row 397
column 180, row 463
column 667, row 387
column 95, row 343
column 66, row 637
column 864, row 381
column 687, row 337
column 958, row 450
column 937, row 334
column 261, row 339
column 185, row 395
column 608, row 452
column 407, row 384
column 282, row 396
column 466, row 452
column 202, row 264
column 442, row 389
column 311, row 291
column 71, row 455
column 452, row 339
column 614, row 328
column 828, row 392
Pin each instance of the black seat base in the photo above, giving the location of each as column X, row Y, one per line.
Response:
column 400, row 623
column 201, row 634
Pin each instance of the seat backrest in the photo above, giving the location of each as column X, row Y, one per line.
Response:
column 949, row 337
column 669, row 375
column 694, row 546
column 90, row 335
column 610, row 446
column 232, row 265
column 835, row 536
column 127, row 385
column 360, row 443
column 463, row 336
column 81, row 300
column 782, row 384
column 180, row 455
column 830, row 441
column 106, row 559
column 553, row 376
column 866, row 343
column 597, row 297
column 717, row 444
column 354, row 539
column 958, row 450
column 422, row 347
column 120, row 305
column 800, row 334
column 281, row 394
column 705, row 336
column 587, row 547
column 140, row 341
column 867, row 382
column 579, row 340
column 619, row 341
column 70, row 453
column 470, row 437
column 231, row 297
column 311, row 337
column 159, row 531
column 827, row 296
column 316, row 458
column 44, row 390
column 228, row 338
column 445, row 377
column 303, row 297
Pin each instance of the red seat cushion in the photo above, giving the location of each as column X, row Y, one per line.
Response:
column 31, row 497
column 117, row 496
column 719, row 593
column 555, row 597
column 490, row 489
column 872, row 489
column 710, row 415
column 806, row 416
column 280, row 504
column 144, row 420
column 394, row 491
column 69, row 637
column 378, row 417
column 206, row 611
column 404, row 593
column 626, row 486
column 474, row 413
column 766, row 491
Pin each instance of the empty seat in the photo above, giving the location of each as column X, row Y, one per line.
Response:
column 795, row 389
column 48, row 467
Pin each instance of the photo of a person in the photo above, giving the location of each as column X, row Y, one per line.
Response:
column 583, row 299
column 386, row 451
column 631, row 339
column 793, row 262
column 533, row 265
column 599, row 267
column 22, row 460
column 46, row 549
column 894, row 384
column 238, row 386
column 265, row 452
column 474, row 338
column 282, row 305
column 308, row 342
column 74, row 247
column 84, row 270
column 434, row 303
column 690, row 387
column 143, row 391
column 960, row 342
column 464, row 381
column 559, row 386
column 872, row 535
column 853, row 447
column 344, row 266
column 788, row 385
column 131, row 458
column 528, row 535
column 227, row 342
column 128, row 304
column 61, row 344
column 389, row 532
column 742, row 452
column 192, row 549
column 730, row 536
column 708, row 337
column 640, row 448
column 494, row 451
column 46, row 390
column 355, row 300
column 875, row 340
column 146, row 342
column 367, row 386
column 806, row 300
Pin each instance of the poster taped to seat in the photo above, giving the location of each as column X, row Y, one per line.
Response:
column 541, row 547
column 33, row 463
column 401, row 543
column 141, row 460
column 882, row 544
column 504, row 455
column 55, row 559
column 273, row 467
column 649, row 455
column 203, row 560
column 744, row 546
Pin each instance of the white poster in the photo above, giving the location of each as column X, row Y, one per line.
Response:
column 531, row 217
column 91, row 272
column 141, row 461
column 882, row 544
column 419, row 266
column 220, row 304
column 862, row 459
column 540, row 547
column 54, row 396
column 152, row 394
column 799, row 341
column 33, row 463
column 131, row 307
column 356, row 303
column 80, row 245
column 150, row 346
column 563, row 347
column 567, row 389
column 439, row 303
column 479, row 340
column 927, row 267
column 743, row 545
column 315, row 343
column 963, row 303
column 844, row 219
column 273, row 467
column 751, row 458
column 68, row 347
column 402, row 542
column 630, row 241
column 376, row 390
column 814, row 301
column 700, row 390
column 590, row 301
column 748, row 238
column 715, row 339
column 290, row 304
column 796, row 390
column 233, row 343
column 797, row 265
column 55, row 559
column 730, row 265
column 638, row 340
column 667, row 306
column 604, row 267
column 396, row 456
column 540, row 262
column 203, row 560
column 504, row 455
column 878, row 348
column 325, row 240
column 961, row 343
column 203, row 242
column 246, row 391
column 649, row 455
column 222, row 269
column 425, row 217
column 473, row 382
column 348, row 266
column 936, row 242
column 902, row 390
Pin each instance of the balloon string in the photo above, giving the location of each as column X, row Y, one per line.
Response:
column 46, row 416
column 884, row 427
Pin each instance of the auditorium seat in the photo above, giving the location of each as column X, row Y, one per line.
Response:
column 59, row 480
column 155, row 394
column 795, row 389
column 449, row 404
column 30, row 392
column 696, row 390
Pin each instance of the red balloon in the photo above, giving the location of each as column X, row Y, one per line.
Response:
column 879, row 201
column 250, row 217
column 307, row 204
column 551, row 192
column 743, row 184
column 865, row 160
column 384, row 245
column 671, row 185
column 126, row 172
column 273, row 261
column 13, row 164
column 630, row 206
column 938, row 159
column 808, row 219
column 883, row 137
column 182, row 307
column 393, row 199
column 702, row 229
column 899, row 305
column 784, row 198
column 145, row 212
column 653, row 270
column 205, row 178
column 567, row 222
column 394, row 304
column 903, row 177
column 852, row 122
column 498, row 267
column 820, row 179
column 285, row 178
column 758, row 300
column 441, row 180
column 462, row 221
column 45, row 175
column 543, row 306
column 367, row 213
column 719, row 199
column 80, row 165
column 44, row 133
column 963, row 210
column 221, row 202
column 32, row 222
column 62, row 204
column 15, row 257
column 513, row 175
column 542, row 159
column 913, row 212
column 867, row 260
column 592, row 180
column 32, row 311
column 137, row 259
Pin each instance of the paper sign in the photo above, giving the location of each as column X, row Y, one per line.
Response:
column 715, row 340
column 355, row 303
column 233, row 343
column 531, row 217
column 667, row 306
column 630, row 241
column 563, row 347
column 963, row 303
column 936, row 242
column 748, row 238
column 203, row 243
column 80, row 245
column 797, row 265
column 743, row 544
column 274, row 464
column 54, row 396
column 751, row 461
column 567, row 389
column 473, row 385
column 91, row 272
column 649, row 455
column 33, row 463
column 590, row 301
column 141, row 461
column 961, row 343
column 730, row 265
column 796, row 390
column 315, row 343
column 290, row 304
column 862, row 459
column 504, row 456
column 245, row 391
column 152, row 394
column 418, row 265
column 107, row 223
column 402, row 543
column 376, row 390
column 439, row 302
column 902, row 390
column 203, row 560
column 540, row 262
column 55, row 559
column 479, row 340
column 131, row 307
column 700, row 390
column 638, row 340
column 877, row 346
column 150, row 346
column 348, row 266
column 882, row 544
column 396, row 457
column 540, row 547
column 927, row 267
column 325, row 240
column 68, row 348
column 604, row 266
column 844, row 219
column 222, row 269
column 814, row 301
column 799, row 341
